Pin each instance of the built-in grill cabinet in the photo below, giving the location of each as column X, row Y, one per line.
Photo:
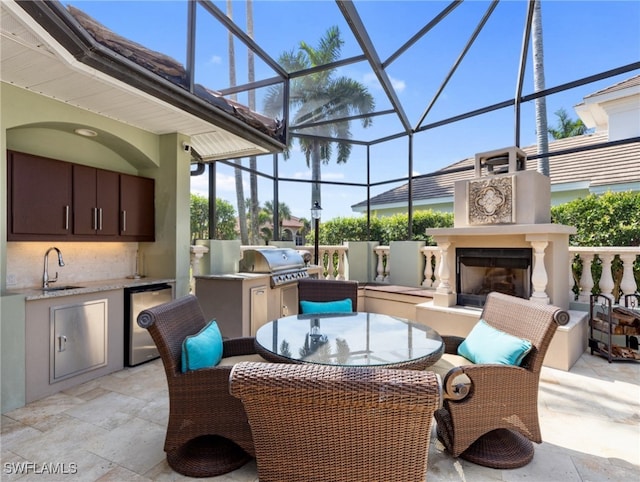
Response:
column 266, row 288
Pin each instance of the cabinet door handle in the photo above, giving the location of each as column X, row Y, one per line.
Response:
column 66, row 217
column 94, row 222
column 124, row 220
column 62, row 343
column 100, row 219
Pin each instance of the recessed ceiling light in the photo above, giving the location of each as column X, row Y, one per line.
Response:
column 86, row 132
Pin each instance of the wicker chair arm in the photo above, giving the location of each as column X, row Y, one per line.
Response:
column 203, row 376
column 451, row 343
column 561, row 317
column 238, row 346
column 452, row 390
column 455, row 391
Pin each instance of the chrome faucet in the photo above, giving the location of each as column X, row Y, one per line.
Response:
column 45, row 277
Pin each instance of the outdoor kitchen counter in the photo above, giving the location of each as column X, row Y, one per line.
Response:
column 85, row 287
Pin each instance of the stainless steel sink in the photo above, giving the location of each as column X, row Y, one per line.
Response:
column 61, row 288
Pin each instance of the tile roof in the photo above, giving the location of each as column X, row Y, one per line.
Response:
column 625, row 84
column 606, row 166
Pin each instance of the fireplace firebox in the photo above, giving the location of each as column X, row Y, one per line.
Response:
column 482, row 270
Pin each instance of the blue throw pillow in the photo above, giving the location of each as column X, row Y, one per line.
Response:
column 485, row 344
column 339, row 306
column 202, row 350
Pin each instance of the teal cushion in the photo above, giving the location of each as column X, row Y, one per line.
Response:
column 339, row 306
column 202, row 350
column 485, row 344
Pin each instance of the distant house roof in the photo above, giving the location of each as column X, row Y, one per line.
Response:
column 618, row 164
column 625, row 84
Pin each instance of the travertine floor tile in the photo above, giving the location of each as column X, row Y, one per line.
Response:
column 113, row 429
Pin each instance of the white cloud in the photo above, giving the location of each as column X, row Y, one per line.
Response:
column 215, row 59
column 200, row 185
column 398, row 85
column 370, row 80
column 332, row 176
column 224, row 184
column 327, row 176
column 302, row 174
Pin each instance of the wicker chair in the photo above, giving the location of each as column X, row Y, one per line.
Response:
column 208, row 433
column 313, row 289
column 492, row 418
column 328, row 423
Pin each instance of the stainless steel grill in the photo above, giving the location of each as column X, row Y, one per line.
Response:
column 285, row 265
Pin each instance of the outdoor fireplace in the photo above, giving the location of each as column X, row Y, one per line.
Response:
column 482, row 270
column 502, row 237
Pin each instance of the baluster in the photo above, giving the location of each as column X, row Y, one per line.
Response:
column 443, row 271
column 539, row 277
column 197, row 252
column 628, row 283
column 586, row 280
column 606, row 280
column 427, row 252
column 341, row 252
column 380, row 267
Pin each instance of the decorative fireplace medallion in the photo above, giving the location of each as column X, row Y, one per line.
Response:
column 491, row 201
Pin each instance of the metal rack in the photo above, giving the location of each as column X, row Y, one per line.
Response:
column 607, row 322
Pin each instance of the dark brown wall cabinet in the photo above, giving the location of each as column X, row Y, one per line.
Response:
column 38, row 197
column 95, row 201
column 51, row 200
column 137, row 207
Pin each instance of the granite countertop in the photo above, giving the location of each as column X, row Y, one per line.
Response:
column 84, row 287
column 233, row 276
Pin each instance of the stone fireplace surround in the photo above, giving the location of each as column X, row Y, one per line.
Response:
column 481, row 206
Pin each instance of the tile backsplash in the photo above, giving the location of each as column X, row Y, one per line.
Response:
column 83, row 262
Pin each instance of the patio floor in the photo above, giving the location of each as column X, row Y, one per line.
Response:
column 112, row 428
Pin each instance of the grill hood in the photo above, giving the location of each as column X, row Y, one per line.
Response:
column 270, row 260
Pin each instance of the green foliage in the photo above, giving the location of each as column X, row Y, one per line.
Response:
column 566, row 126
column 199, row 211
column 225, row 214
column 384, row 230
column 611, row 219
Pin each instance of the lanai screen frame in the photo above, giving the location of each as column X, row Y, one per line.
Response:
column 358, row 29
column 378, row 66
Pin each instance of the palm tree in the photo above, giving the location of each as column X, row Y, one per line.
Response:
column 284, row 213
column 242, row 212
column 567, row 127
column 321, row 96
column 542, row 135
column 254, row 205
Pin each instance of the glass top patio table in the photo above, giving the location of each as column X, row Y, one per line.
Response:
column 349, row 339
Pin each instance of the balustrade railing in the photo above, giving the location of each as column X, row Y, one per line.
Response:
column 614, row 268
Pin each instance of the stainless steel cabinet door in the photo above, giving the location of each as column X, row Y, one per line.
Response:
column 78, row 339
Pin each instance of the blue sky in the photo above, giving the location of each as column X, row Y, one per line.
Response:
column 581, row 38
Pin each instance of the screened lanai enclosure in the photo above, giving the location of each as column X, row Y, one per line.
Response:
column 337, row 102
